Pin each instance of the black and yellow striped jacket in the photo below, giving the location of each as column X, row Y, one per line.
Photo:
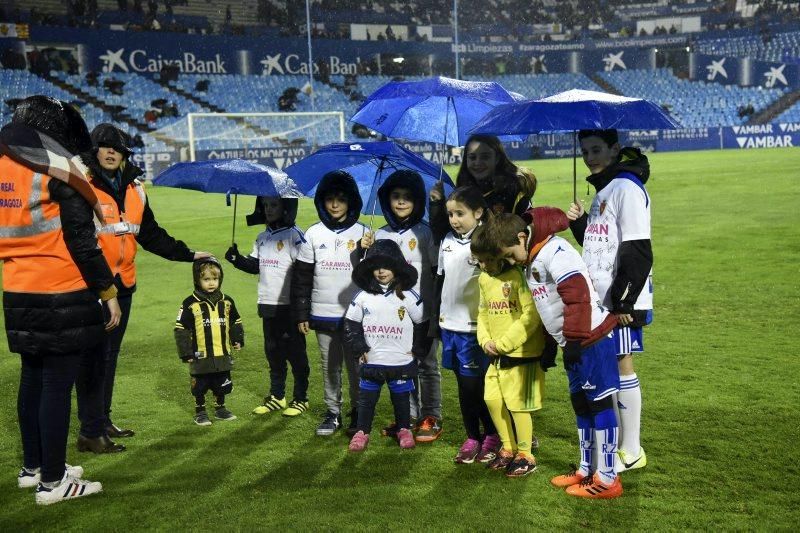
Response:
column 205, row 331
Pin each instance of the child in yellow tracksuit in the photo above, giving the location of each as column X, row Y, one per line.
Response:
column 511, row 333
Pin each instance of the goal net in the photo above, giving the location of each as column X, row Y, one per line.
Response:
column 275, row 139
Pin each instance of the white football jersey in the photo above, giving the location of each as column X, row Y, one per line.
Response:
column 556, row 262
column 276, row 252
column 460, row 292
column 331, row 251
column 388, row 324
column 620, row 212
column 420, row 251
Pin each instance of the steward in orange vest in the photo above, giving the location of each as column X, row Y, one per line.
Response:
column 128, row 217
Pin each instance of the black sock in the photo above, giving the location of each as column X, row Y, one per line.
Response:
column 367, row 400
column 200, row 404
column 220, row 401
column 401, row 401
column 470, row 398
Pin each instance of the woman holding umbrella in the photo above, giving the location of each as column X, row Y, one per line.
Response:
column 129, row 221
column 506, row 187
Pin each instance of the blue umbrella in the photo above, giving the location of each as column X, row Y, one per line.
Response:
column 440, row 110
column 229, row 176
column 369, row 163
column 571, row 111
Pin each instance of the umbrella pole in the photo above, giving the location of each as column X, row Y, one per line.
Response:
column 575, row 167
column 233, row 233
column 375, row 201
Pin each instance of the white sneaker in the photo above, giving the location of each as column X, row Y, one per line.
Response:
column 68, row 488
column 27, row 479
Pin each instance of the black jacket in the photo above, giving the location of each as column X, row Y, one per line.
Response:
column 634, row 258
column 151, row 237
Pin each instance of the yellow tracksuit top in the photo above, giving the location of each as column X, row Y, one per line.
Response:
column 508, row 316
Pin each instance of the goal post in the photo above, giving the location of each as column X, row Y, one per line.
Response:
column 234, row 132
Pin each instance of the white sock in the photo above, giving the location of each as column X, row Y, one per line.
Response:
column 629, row 401
column 586, row 439
column 615, row 402
column 607, row 444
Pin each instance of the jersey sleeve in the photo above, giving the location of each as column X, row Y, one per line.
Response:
column 633, row 215
column 483, row 315
column 305, row 253
column 254, row 252
column 355, row 310
column 440, row 259
column 414, row 307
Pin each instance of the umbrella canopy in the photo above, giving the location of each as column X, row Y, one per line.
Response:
column 440, row 110
column 574, row 110
column 369, row 163
column 229, row 176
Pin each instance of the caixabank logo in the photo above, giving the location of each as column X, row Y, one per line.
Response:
column 138, row 60
column 294, row 64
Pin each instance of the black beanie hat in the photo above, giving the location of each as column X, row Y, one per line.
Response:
column 55, row 119
column 384, row 253
column 106, row 134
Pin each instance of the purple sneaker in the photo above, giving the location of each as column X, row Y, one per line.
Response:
column 406, row 439
column 491, row 445
column 468, row 452
column 359, row 442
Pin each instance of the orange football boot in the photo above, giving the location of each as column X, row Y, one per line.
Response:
column 572, row 477
column 592, row 487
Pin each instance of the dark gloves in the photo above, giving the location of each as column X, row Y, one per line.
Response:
column 548, row 359
column 232, row 254
column 572, row 354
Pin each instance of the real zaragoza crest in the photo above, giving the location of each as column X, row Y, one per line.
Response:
column 506, row 289
column 351, row 245
column 279, row 246
column 401, row 312
column 412, row 244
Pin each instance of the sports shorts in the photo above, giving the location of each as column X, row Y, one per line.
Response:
column 219, row 383
column 520, row 387
column 597, row 375
column 462, row 354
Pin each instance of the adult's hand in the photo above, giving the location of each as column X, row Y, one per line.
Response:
column 303, row 327
column 114, row 313
column 202, row 255
column 232, row 253
column 576, row 210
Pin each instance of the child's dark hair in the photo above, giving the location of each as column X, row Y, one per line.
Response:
column 472, row 198
column 507, row 177
column 500, row 232
column 610, row 137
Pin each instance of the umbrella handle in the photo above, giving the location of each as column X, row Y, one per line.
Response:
column 575, row 167
column 233, row 233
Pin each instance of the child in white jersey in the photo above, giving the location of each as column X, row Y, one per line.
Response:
column 384, row 326
column 458, row 321
column 402, row 200
column 273, row 256
column 615, row 236
column 322, row 289
column 572, row 313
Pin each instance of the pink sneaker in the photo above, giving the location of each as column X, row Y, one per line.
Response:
column 468, row 451
column 406, row 439
column 359, row 442
column 491, row 445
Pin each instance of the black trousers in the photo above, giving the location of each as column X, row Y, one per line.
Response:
column 43, row 408
column 283, row 344
column 112, row 354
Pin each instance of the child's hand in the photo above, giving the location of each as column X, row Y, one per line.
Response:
column 363, row 359
column 303, row 328
column 367, row 240
column 576, row 210
column 237, row 346
column 491, row 349
column 624, row 319
column 437, row 192
column 202, row 255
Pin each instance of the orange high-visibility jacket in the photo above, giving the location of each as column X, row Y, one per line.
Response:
column 32, row 248
column 117, row 236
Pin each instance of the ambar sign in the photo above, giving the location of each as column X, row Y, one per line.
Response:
column 138, row 61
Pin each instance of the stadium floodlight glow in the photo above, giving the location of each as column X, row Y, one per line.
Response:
column 399, row 59
column 237, row 131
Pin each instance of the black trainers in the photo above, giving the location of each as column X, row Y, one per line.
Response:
column 201, row 419
column 330, row 423
column 222, row 413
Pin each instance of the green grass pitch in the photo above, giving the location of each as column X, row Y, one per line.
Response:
column 720, row 380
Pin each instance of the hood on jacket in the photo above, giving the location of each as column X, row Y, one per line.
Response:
column 412, row 181
column 338, row 180
column 630, row 160
column 384, row 253
column 54, row 118
column 257, row 217
column 109, row 135
column 197, row 265
column 546, row 221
